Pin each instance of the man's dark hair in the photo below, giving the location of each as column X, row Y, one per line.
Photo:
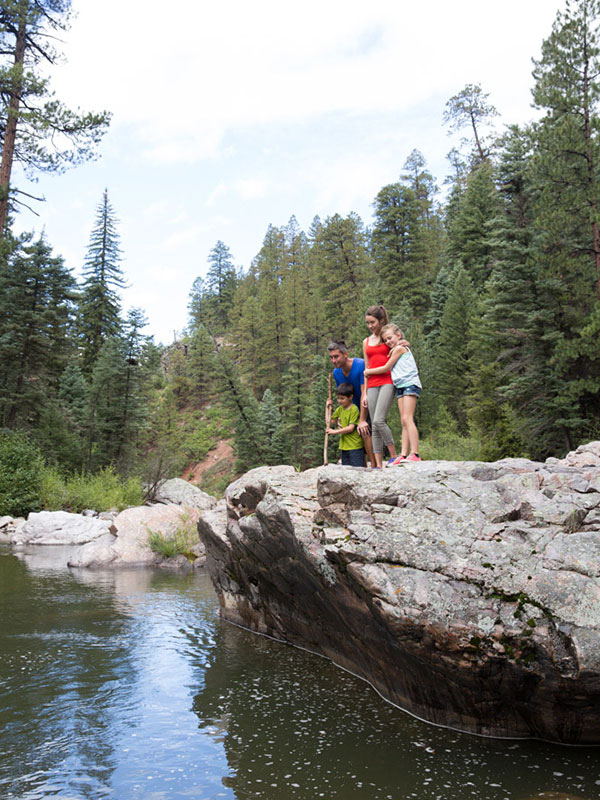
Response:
column 339, row 345
column 345, row 389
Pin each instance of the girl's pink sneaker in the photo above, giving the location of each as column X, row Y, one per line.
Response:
column 414, row 457
column 398, row 460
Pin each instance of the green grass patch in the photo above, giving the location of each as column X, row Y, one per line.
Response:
column 179, row 543
column 102, row 491
column 452, row 447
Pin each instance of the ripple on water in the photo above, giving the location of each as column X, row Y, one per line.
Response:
column 128, row 686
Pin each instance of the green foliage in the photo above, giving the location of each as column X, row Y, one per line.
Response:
column 100, row 305
column 211, row 299
column 446, row 443
column 179, row 543
column 101, row 491
column 470, row 109
column 21, row 467
column 38, row 131
column 37, row 295
column 270, row 425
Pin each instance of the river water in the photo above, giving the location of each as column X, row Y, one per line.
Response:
column 127, row 685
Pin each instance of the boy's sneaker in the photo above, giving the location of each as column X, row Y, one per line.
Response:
column 398, row 460
column 414, row 457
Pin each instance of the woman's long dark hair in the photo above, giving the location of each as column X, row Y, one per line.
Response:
column 379, row 313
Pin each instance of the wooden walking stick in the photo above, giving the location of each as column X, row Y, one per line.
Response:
column 327, row 421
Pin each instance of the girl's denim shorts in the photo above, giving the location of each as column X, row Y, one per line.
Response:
column 406, row 390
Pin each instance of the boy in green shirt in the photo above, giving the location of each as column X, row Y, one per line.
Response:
column 348, row 416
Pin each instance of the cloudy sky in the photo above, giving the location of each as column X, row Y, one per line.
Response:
column 229, row 116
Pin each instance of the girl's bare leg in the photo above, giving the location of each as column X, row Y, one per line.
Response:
column 406, row 406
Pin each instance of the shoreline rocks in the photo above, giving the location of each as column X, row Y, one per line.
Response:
column 112, row 539
column 466, row 593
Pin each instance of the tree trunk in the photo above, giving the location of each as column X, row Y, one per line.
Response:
column 10, row 133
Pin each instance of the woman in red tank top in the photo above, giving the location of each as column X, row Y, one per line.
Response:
column 378, row 390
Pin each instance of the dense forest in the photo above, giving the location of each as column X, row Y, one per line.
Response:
column 495, row 280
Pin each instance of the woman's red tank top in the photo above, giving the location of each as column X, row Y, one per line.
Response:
column 378, row 355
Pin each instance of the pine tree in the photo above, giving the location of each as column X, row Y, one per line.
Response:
column 38, row 131
column 437, row 301
column 271, row 429
column 343, row 268
column 37, row 295
column 396, row 240
column 200, row 366
column 251, row 450
column 298, row 290
column 568, row 89
column 470, row 108
column 105, row 409
column 295, row 396
column 566, row 170
column 219, row 287
column 100, row 306
column 469, row 230
column 452, row 374
column 506, row 350
column 271, row 269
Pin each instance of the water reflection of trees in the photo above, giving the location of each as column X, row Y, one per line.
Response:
column 66, row 655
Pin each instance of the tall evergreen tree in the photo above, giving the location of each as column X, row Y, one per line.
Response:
column 37, row 130
column 270, row 427
column 568, row 89
column 299, row 290
column 470, row 109
column 219, row 286
column 470, row 228
column 396, row 238
column 566, row 170
column 343, row 268
column 452, row 373
column 271, row 269
column 100, row 308
column 295, row 397
column 37, row 294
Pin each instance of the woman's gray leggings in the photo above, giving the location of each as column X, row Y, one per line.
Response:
column 380, row 399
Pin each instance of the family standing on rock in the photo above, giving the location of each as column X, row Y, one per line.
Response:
column 365, row 390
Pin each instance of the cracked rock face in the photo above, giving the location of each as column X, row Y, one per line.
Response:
column 465, row 593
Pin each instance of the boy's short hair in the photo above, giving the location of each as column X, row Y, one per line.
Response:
column 344, row 389
column 340, row 345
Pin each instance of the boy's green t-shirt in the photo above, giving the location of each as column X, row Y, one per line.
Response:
column 348, row 416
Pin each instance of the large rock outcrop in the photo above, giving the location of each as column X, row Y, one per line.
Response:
column 467, row 593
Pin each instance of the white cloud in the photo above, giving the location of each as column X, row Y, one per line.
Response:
column 219, row 66
column 251, row 188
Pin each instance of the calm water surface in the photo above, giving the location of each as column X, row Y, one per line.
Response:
column 127, row 685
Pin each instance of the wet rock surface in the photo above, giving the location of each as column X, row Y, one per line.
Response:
column 466, row 593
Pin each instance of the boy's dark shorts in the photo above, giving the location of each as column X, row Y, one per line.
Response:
column 353, row 458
